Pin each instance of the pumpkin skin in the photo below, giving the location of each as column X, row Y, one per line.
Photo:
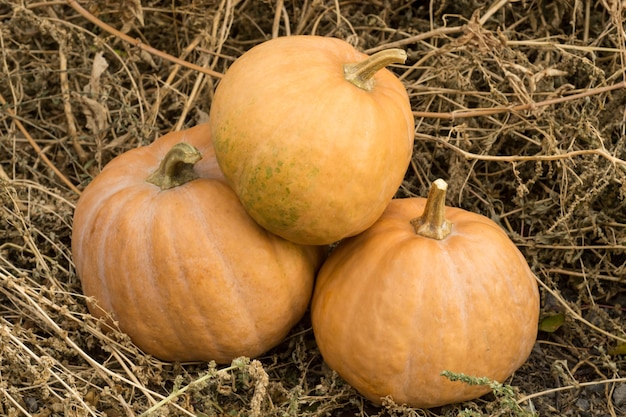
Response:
column 392, row 309
column 185, row 272
column 312, row 157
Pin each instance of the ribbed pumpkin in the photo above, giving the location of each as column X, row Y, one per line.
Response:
column 164, row 248
column 426, row 289
column 314, row 136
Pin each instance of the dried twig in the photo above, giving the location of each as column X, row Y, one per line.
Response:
column 570, row 387
column 524, row 158
column 67, row 106
column 492, row 10
column 74, row 4
column 38, row 149
column 277, row 15
column 154, row 110
column 413, row 39
column 460, row 114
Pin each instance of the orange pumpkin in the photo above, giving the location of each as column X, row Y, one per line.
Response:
column 313, row 136
column 426, row 289
column 165, row 250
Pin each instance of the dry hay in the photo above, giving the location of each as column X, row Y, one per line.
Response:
column 548, row 164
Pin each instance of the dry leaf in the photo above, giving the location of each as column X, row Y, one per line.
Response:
column 97, row 114
column 99, row 66
column 131, row 11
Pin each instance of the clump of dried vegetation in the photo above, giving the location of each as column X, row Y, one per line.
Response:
column 519, row 105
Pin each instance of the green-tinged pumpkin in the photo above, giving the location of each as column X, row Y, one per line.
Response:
column 165, row 251
column 426, row 289
column 314, row 136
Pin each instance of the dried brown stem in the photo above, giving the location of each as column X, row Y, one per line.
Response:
column 460, row 114
column 521, row 158
column 74, row 5
column 67, row 107
column 35, row 146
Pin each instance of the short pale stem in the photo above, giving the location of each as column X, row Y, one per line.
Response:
column 176, row 168
column 433, row 223
column 362, row 73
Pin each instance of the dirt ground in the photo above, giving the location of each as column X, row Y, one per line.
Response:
column 519, row 105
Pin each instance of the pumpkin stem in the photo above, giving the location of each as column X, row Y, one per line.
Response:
column 361, row 73
column 433, row 223
column 176, row 167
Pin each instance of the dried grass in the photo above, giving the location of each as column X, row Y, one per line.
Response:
column 519, row 105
